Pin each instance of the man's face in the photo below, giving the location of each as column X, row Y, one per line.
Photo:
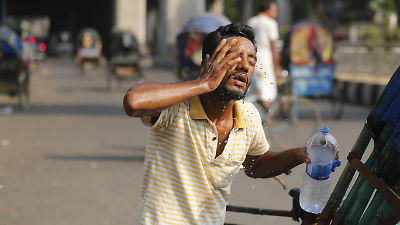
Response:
column 235, row 83
column 273, row 10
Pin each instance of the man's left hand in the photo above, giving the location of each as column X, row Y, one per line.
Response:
column 301, row 155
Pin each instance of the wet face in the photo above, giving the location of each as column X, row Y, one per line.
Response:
column 235, row 83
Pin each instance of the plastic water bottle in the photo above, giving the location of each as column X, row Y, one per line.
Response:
column 321, row 149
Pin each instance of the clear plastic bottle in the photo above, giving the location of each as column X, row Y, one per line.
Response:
column 321, row 149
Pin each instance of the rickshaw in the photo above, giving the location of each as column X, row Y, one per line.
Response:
column 125, row 58
column 88, row 52
column 190, row 40
column 374, row 197
column 307, row 54
column 14, row 74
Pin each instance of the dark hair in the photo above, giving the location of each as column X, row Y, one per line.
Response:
column 265, row 5
column 212, row 39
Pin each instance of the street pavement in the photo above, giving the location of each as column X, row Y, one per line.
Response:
column 74, row 158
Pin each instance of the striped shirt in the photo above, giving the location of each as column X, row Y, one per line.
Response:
column 183, row 181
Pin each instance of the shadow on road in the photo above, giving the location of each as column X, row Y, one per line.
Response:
column 64, row 90
column 76, row 109
column 127, row 148
column 95, row 158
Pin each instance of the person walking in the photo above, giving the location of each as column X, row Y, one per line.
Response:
column 268, row 57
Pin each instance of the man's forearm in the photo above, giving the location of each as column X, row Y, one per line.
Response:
column 145, row 98
column 274, row 163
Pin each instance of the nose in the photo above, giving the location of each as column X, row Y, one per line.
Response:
column 244, row 63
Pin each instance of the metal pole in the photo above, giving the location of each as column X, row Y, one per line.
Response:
column 258, row 211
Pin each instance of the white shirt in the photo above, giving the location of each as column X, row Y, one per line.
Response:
column 265, row 30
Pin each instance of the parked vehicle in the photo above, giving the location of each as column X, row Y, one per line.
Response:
column 125, row 58
column 88, row 52
column 61, row 44
column 14, row 74
column 189, row 43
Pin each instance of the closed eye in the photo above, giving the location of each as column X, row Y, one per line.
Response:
column 252, row 61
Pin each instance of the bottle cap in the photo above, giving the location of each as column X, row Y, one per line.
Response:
column 324, row 129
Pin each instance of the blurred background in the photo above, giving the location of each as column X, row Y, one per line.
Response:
column 69, row 155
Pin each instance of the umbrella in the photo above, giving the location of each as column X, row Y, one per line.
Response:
column 205, row 23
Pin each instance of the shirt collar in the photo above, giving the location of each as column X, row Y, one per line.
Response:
column 196, row 111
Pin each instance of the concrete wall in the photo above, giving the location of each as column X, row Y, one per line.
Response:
column 131, row 15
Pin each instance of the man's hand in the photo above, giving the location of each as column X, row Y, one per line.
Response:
column 301, row 155
column 213, row 69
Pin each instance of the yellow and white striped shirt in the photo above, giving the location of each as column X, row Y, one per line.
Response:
column 183, row 181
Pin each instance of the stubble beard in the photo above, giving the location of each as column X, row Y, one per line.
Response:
column 231, row 95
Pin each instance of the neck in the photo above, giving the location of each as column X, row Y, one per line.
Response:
column 215, row 108
column 264, row 14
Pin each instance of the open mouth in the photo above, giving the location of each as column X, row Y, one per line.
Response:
column 239, row 78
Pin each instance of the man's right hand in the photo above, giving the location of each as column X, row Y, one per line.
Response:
column 213, row 69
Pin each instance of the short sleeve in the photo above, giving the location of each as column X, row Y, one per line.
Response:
column 167, row 116
column 259, row 144
column 273, row 32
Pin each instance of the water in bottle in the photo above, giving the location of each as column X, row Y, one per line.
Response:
column 321, row 149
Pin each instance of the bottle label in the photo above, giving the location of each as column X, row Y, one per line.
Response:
column 319, row 172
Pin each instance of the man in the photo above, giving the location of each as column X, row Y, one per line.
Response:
column 200, row 134
column 268, row 66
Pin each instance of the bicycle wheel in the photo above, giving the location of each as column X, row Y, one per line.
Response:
column 291, row 121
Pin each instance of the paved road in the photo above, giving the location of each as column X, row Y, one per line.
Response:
column 75, row 159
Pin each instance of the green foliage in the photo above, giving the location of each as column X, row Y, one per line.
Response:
column 377, row 35
column 372, row 35
column 392, row 35
column 231, row 10
column 385, row 5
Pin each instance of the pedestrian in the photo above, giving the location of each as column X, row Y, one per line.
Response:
column 268, row 67
column 202, row 132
